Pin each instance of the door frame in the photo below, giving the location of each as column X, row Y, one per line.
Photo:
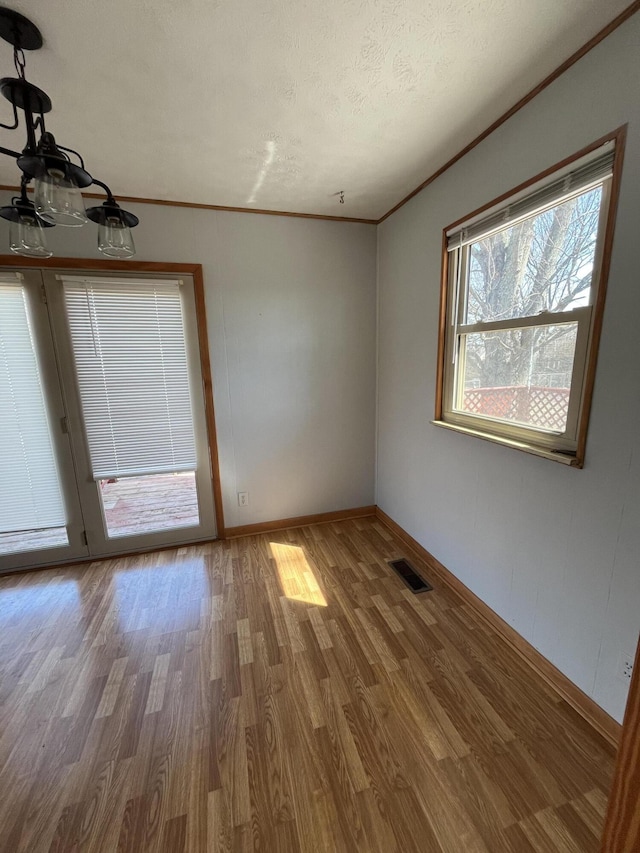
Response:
column 194, row 270
column 622, row 824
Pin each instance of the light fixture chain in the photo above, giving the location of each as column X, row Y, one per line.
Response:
column 19, row 61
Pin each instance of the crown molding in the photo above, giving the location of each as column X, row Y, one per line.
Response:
column 559, row 71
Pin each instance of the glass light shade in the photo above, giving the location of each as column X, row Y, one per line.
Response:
column 26, row 238
column 115, row 239
column 58, row 199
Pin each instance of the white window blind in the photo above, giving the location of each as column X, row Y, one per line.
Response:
column 30, row 497
column 587, row 172
column 129, row 346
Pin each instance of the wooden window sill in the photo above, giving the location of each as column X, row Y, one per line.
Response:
column 554, row 455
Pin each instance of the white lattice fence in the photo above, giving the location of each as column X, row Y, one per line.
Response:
column 543, row 407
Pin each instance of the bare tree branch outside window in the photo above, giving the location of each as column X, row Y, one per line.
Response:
column 543, row 264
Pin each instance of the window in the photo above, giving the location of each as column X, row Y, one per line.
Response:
column 523, row 294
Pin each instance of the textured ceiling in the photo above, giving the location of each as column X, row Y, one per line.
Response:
column 279, row 104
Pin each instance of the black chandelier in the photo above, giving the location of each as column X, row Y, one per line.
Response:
column 58, row 181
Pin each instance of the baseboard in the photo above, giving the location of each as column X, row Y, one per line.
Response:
column 605, row 725
column 299, row 521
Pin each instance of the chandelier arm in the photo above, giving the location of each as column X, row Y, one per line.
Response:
column 15, row 120
column 10, row 153
column 98, row 183
column 71, row 151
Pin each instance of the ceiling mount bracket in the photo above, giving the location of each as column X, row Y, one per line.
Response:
column 19, row 31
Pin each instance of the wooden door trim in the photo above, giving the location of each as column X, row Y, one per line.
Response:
column 622, row 824
column 207, row 382
column 194, row 270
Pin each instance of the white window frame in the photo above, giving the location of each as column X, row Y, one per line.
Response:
column 568, row 446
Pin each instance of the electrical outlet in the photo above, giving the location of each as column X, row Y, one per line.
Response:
column 626, row 666
column 243, row 498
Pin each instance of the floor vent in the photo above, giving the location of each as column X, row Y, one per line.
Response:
column 409, row 575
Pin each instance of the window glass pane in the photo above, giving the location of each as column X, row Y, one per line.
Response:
column 30, row 494
column 33, row 540
column 544, row 263
column 136, row 505
column 131, row 361
column 521, row 376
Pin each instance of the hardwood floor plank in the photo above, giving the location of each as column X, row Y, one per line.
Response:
column 283, row 693
column 155, row 700
column 131, row 734
column 175, row 835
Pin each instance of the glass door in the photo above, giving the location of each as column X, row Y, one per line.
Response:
column 41, row 520
column 103, row 437
column 130, row 367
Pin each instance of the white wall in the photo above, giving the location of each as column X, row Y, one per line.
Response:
column 291, row 315
column 554, row 550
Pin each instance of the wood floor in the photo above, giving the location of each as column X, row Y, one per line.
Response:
column 279, row 693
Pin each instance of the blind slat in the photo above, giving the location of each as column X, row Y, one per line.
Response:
column 131, row 363
column 579, row 179
column 30, row 496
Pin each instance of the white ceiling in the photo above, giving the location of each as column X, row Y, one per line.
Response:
column 279, row 104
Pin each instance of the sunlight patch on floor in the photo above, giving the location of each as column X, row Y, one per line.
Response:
column 296, row 576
